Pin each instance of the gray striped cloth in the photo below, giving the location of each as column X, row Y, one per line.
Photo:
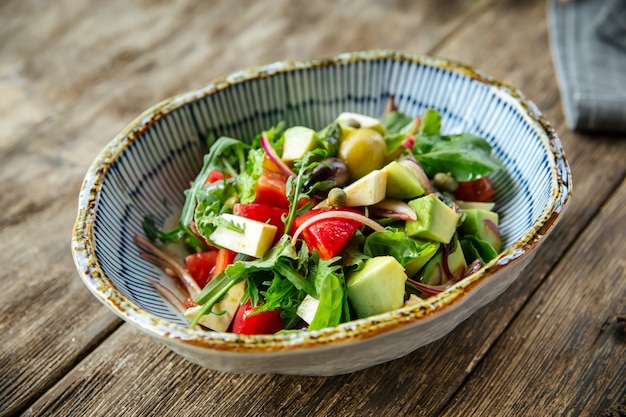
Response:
column 588, row 45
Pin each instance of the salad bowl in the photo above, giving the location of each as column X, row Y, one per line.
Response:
column 148, row 165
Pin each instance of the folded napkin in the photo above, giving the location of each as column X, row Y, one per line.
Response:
column 588, row 44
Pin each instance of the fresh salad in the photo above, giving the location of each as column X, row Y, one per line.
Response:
column 302, row 229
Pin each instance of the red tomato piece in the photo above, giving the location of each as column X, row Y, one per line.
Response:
column 201, row 266
column 271, row 189
column 225, row 257
column 214, row 176
column 248, row 321
column 328, row 236
column 264, row 214
column 480, row 189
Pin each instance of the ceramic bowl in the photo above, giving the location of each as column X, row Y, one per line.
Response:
column 146, row 167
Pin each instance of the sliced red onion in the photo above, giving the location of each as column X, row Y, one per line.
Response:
column 169, row 296
column 336, row 214
column 271, row 153
column 395, row 209
column 474, row 267
column 428, row 289
column 444, row 262
column 163, row 259
column 492, row 226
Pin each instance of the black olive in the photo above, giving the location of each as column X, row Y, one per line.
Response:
column 333, row 170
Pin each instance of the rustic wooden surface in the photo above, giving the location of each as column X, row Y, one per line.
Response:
column 73, row 73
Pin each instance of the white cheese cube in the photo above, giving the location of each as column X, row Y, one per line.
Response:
column 255, row 238
column 307, row 308
column 229, row 304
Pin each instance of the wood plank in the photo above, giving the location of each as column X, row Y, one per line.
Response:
column 563, row 351
column 423, row 382
column 73, row 74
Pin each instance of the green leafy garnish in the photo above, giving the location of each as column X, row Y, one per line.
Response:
column 295, row 185
column 397, row 244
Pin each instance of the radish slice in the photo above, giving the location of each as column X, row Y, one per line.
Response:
column 336, row 215
column 395, row 209
column 271, row 153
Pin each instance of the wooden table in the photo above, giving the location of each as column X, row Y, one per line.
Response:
column 73, row 73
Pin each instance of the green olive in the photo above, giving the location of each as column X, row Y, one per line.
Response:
column 363, row 151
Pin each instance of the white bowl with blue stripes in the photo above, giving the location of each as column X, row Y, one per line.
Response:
column 146, row 168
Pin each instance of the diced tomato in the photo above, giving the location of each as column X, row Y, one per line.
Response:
column 214, row 176
column 265, row 214
column 328, row 236
column 225, row 257
column 201, row 266
column 270, row 165
column 247, row 321
column 476, row 190
column 271, row 189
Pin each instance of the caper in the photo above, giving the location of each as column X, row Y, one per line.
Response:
column 337, row 198
column 363, row 151
column 445, row 181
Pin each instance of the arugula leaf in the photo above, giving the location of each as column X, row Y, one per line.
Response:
column 281, row 294
column 295, row 185
column 277, row 260
column 179, row 233
column 224, row 153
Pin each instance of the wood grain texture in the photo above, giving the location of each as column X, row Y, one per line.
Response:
column 73, row 73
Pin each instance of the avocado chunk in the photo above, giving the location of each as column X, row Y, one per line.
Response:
column 429, row 250
column 466, row 205
column 437, row 268
column 378, row 287
column 298, row 141
column 402, row 183
column 484, row 225
column 435, row 221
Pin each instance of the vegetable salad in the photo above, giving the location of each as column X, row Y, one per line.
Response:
column 301, row 229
